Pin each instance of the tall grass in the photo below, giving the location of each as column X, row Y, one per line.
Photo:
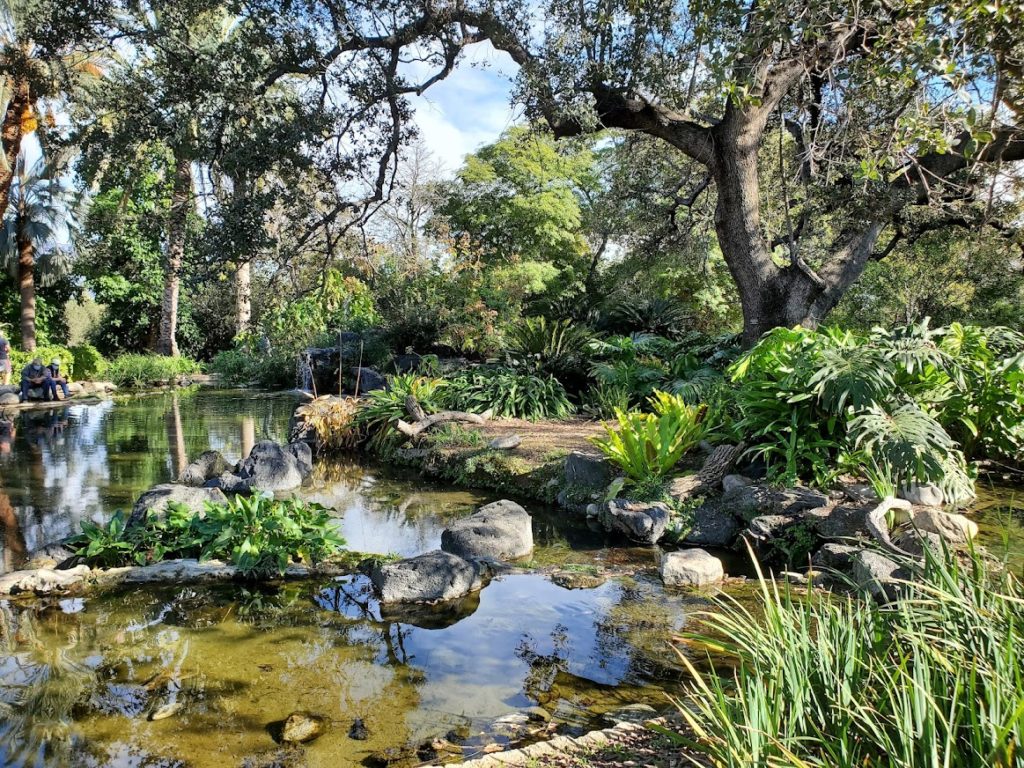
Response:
column 148, row 370
column 933, row 679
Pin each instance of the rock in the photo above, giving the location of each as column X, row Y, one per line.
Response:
column 52, row 557
column 750, row 501
column 300, row 727
column 270, row 467
column 358, row 731
column 644, row 522
column 181, row 571
column 155, row 500
column 9, row 398
column 162, row 712
column 502, row 530
column 732, row 482
column 915, row 542
column 229, row 482
column 303, row 454
column 840, row 522
column 834, row 557
column 768, row 527
column 954, row 528
column 588, row 470
column 209, row 465
column 42, row 581
column 876, row 573
column 637, row 714
column 429, row 577
column 714, row 525
column 368, row 379
column 859, row 493
column 691, row 568
column 927, row 495
column 407, row 362
column 505, row 443
column 578, row 579
column 286, row 757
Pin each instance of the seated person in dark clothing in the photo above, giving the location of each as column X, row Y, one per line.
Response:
column 35, row 375
column 58, row 378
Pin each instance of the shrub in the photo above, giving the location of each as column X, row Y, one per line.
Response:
column 647, row 446
column 233, row 366
column 148, row 370
column 46, row 353
column 508, row 393
column 557, row 347
column 823, row 680
column 89, row 364
column 332, row 420
column 382, row 408
column 259, row 535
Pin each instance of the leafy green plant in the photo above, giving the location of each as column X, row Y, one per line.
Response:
column 136, row 371
column 647, row 446
column 258, row 534
column 381, row 409
column 604, row 399
column 556, row 347
column 508, row 393
column 929, row 681
column 87, row 363
column 46, row 353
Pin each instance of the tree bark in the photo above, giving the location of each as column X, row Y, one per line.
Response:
column 243, row 274
column 26, row 282
column 11, row 133
column 177, row 224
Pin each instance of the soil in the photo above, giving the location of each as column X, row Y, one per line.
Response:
column 542, row 438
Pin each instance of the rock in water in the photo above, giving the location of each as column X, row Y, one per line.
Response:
column 155, row 500
column 426, row 578
column 358, row 731
column 271, row 467
column 209, row 465
column 691, row 568
column 644, row 522
column 502, row 530
column 300, row 727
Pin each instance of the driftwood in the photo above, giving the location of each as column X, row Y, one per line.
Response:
column 709, row 478
column 422, row 422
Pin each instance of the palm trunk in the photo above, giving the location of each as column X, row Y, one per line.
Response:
column 26, row 284
column 11, row 133
column 243, row 275
column 177, row 223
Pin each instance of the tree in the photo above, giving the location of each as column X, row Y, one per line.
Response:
column 37, row 221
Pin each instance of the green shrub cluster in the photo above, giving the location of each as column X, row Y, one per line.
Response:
column 46, row 353
column 934, row 679
column 89, row 364
column 508, row 393
column 259, row 535
column 137, row 371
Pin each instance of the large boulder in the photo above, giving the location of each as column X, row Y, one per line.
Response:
column 644, row 522
column 502, row 530
column 714, row 525
column 922, row 494
column 954, row 528
column 587, row 469
column 750, row 501
column 691, row 568
column 155, row 500
column 845, row 521
column 209, row 465
column 426, row 578
column 877, row 574
column 9, row 398
column 271, row 467
column 834, row 557
column 368, row 379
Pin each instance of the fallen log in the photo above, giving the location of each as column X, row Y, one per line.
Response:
column 422, row 422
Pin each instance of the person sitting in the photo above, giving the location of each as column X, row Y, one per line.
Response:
column 35, row 375
column 58, row 379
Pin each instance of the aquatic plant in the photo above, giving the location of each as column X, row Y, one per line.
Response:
column 257, row 534
column 932, row 680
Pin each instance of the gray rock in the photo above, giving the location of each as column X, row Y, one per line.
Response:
column 155, row 500
column 714, row 525
column 505, row 443
column 644, row 522
column 429, row 577
column 859, row 493
column 369, row 379
column 954, row 528
column 587, row 469
column 926, row 495
column 750, row 501
column 915, row 542
column 303, row 454
column 270, row 467
column 834, row 557
column 845, row 521
column 209, row 465
column 9, row 398
column 229, row 482
column 183, row 571
column 877, row 574
column 768, row 527
column 691, row 568
column 502, row 530
column 300, row 727
column 732, row 482
column 578, row 580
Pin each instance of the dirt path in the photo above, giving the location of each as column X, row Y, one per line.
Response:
column 541, row 438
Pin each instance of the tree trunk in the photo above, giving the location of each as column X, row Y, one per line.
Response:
column 11, row 133
column 243, row 297
column 26, row 283
column 177, row 223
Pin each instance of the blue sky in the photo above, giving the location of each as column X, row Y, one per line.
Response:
column 468, row 109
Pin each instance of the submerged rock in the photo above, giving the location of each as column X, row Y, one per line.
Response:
column 691, row 568
column 502, row 530
column 358, row 731
column 155, row 500
column 637, row 714
column 578, row 579
column 300, row 727
column 429, row 577
column 209, row 465
column 644, row 522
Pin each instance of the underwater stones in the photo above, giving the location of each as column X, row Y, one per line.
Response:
column 691, row 568
column 426, row 578
column 358, row 731
column 42, row 581
column 637, row 714
column 505, row 443
column 301, row 727
column 271, row 467
column 587, row 469
column 209, row 465
column 502, row 530
column 155, row 500
column 644, row 522
column 578, row 579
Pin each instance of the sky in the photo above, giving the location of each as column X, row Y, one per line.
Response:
column 469, row 108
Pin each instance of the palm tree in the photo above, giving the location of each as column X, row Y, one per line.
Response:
column 35, row 237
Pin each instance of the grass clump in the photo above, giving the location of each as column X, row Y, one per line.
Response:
column 933, row 679
column 137, row 371
column 259, row 535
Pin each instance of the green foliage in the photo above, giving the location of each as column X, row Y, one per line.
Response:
column 259, row 535
column 381, row 409
column 508, row 393
column 647, row 446
column 604, row 399
column 136, row 371
column 46, row 353
column 233, row 366
column 824, row 680
column 556, row 347
column 89, row 364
